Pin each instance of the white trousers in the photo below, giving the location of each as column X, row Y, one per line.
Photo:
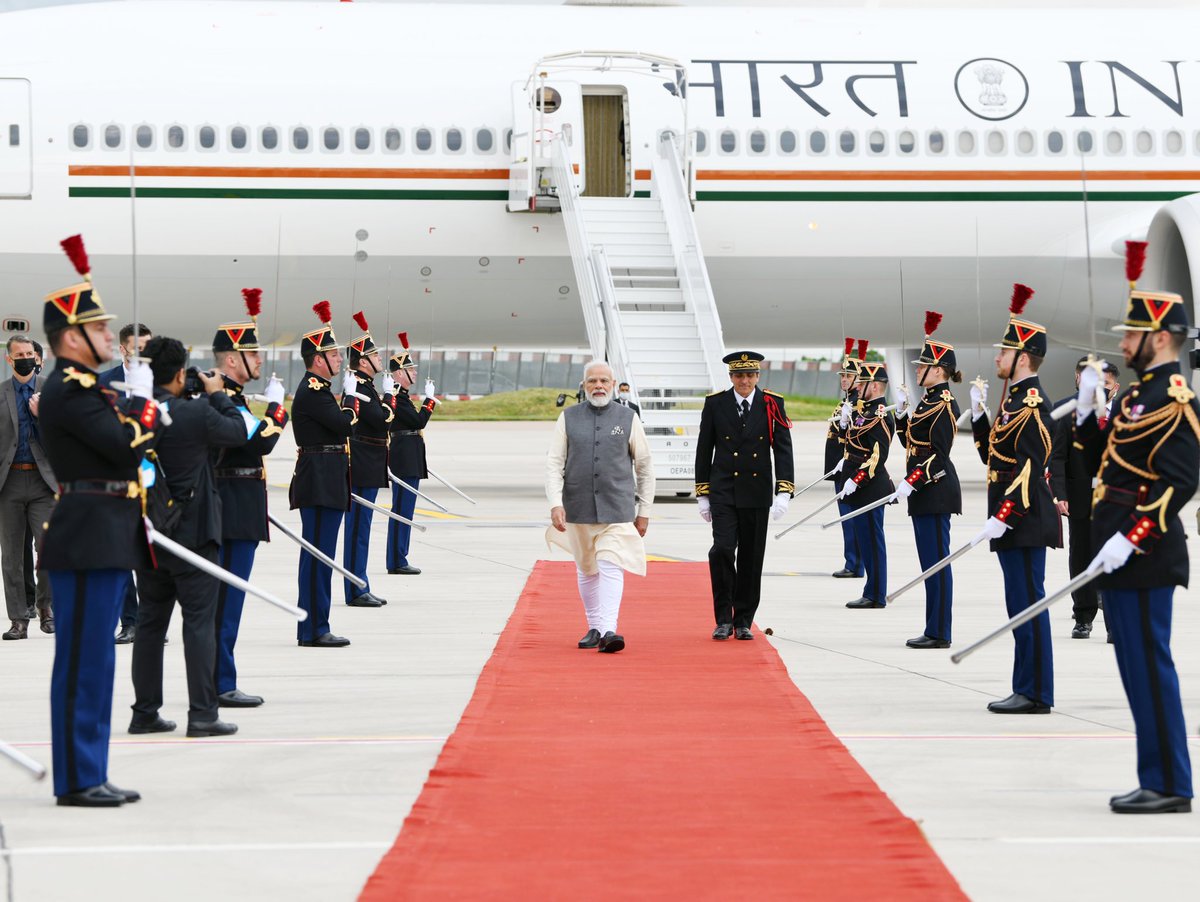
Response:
column 601, row 593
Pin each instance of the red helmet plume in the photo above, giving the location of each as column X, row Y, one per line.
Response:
column 1135, row 259
column 1020, row 297
column 403, row 336
column 323, row 312
column 933, row 319
column 849, row 347
column 361, row 319
column 862, row 348
column 253, row 298
column 74, row 249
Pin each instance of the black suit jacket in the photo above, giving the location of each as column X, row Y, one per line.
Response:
column 1071, row 472
column 744, row 465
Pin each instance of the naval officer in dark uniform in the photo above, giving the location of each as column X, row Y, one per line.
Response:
column 1023, row 521
column 368, row 460
column 95, row 441
column 407, row 455
column 931, row 486
column 743, row 475
column 321, row 482
column 868, row 441
column 242, row 484
column 1147, row 459
column 835, row 453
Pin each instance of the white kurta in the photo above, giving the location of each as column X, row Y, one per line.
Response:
column 589, row 542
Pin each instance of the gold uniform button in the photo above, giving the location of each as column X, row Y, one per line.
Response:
column 735, row 454
column 755, row 454
column 735, row 472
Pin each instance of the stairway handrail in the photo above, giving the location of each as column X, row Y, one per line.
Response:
column 580, row 246
column 622, row 369
column 668, row 170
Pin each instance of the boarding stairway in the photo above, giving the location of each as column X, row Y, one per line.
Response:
column 647, row 301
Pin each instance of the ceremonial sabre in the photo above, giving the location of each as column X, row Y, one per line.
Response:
column 36, row 770
column 449, row 486
column 936, row 568
column 359, row 499
column 815, row 482
column 408, row 488
column 837, row 497
column 317, row 553
column 886, row 499
column 190, row 557
column 1030, row 612
column 978, row 381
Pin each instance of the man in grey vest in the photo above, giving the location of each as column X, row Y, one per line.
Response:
column 600, row 484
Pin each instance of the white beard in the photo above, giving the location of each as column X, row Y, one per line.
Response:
column 601, row 401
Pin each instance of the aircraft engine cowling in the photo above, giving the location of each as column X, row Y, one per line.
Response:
column 1173, row 258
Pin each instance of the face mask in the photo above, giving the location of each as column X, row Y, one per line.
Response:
column 624, row 396
column 24, row 366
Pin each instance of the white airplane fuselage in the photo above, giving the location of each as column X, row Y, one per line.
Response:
column 802, row 246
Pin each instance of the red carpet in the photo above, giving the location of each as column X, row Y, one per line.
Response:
column 680, row 768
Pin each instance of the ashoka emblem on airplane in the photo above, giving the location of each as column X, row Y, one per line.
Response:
column 990, row 88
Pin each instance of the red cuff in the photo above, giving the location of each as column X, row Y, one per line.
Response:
column 144, row 410
column 860, row 477
column 278, row 413
column 916, row 477
column 1143, row 534
column 428, row 405
column 1008, row 510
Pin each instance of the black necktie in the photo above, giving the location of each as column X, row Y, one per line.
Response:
column 745, row 410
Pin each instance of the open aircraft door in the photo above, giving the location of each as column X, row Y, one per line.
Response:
column 543, row 107
column 16, row 143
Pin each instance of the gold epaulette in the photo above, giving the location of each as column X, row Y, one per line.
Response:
column 767, row 391
column 85, row 380
column 713, row 394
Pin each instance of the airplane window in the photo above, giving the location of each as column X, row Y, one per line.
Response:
column 14, row 136
column 268, row 137
column 424, row 137
column 112, row 136
column 1173, row 142
column 1114, row 142
column 81, row 136
column 1143, row 142
column 818, row 143
column 966, row 142
column 701, row 141
column 299, row 138
column 936, row 142
column 1198, row 143
column 1025, row 142
column 331, row 138
column 876, row 141
column 995, row 141
column 144, row 136
column 787, row 141
column 1085, row 142
column 237, row 138
column 392, row 140
column 847, row 141
column 1054, row 142
column 175, row 137
column 362, row 139
column 906, row 141
column 728, row 141
column 454, row 140
column 485, row 140
column 508, row 140
column 758, row 141
column 207, row 137
column 548, row 100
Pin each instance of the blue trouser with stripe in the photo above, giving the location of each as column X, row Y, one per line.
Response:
column 850, row 542
column 1140, row 621
column 87, row 605
column 1033, row 659
column 320, row 526
column 868, row 531
column 400, row 534
column 356, row 543
column 236, row 556
column 933, row 544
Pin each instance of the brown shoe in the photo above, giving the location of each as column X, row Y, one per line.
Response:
column 19, row 630
column 46, row 620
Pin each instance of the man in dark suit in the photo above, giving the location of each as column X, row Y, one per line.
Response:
column 27, row 486
column 130, row 350
column 625, row 398
column 743, row 475
column 198, row 427
column 1071, row 484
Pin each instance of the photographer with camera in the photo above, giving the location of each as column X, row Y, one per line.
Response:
column 188, row 511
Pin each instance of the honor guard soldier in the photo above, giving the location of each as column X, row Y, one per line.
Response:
column 743, row 474
column 1023, row 521
column 95, row 442
column 407, row 455
column 868, row 440
column 1146, row 457
column 931, row 486
column 321, row 482
column 242, row 485
column 368, row 458
column 835, row 452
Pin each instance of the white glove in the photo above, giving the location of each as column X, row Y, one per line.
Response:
column 1085, row 401
column 849, row 488
column 140, row 380
column 349, row 383
column 979, row 395
column 993, row 529
column 389, row 384
column 1115, row 552
column 430, row 392
column 901, row 401
column 274, row 393
column 904, row 488
column 846, row 414
column 705, row 509
column 841, row 463
column 780, row 505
